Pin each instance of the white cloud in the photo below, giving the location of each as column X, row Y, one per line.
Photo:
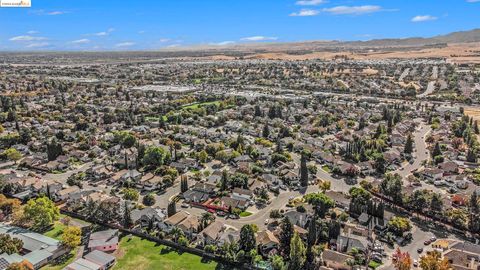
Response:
column 104, row 33
column 37, row 45
column 27, row 38
column 81, row 41
column 305, row 12
column 32, row 32
column 53, row 13
column 163, row 40
column 310, row 2
column 100, row 34
column 224, row 43
column 355, row 10
column 473, row 1
column 258, row 38
column 423, row 18
column 173, row 46
column 141, row 32
column 124, row 44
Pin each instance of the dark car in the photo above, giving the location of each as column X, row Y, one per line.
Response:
column 420, row 250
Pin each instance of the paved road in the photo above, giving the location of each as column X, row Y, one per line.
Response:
column 430, row 89
column 263, row 214
column 62, row 177
column 421, row 153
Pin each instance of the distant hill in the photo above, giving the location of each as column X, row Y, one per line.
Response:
column 335, row 45
column 460, row 37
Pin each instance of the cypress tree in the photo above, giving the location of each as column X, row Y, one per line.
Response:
column 408, row 145
column 303, row 171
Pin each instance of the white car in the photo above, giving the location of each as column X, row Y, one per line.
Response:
column 267, row 221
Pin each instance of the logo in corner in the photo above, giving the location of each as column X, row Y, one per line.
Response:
column 16, row 3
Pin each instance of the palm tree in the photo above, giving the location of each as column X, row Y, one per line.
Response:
column 176, row 232
column 205, row 219
column 324, row 185
column 350, row 262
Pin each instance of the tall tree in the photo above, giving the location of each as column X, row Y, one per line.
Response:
column 71, row 237
column 297, row 253
column 41, row 212
column 437, row 151
column 266, row 131
column 54, row 149
column 247, row 238
column 303, row 171
column 311, row 238
column 408, row 145
column 171, row 209
column 127, row 216
column 391, row 186
column 286, row 235
column 224, row 180
column 403, row 261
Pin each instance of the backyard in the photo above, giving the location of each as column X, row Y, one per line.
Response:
column 56, row 233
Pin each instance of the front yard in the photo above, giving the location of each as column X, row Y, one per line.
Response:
column 139, row 254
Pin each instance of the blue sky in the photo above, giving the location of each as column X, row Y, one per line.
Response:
column 151, row 25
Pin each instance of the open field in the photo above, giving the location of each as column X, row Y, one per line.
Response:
column 140, row 254
column 473, row 112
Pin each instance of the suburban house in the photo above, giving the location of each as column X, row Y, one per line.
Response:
column 37, row 249
column 267, row 241
column 182, row 220
column 242, row 194
column 103, row 240
column 464, row 255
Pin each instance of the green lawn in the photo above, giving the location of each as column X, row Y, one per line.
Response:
column 56, row 231
column 139, row 254
column 374, row 265
column 326, row 168
column 245, row 214
column 196, row 105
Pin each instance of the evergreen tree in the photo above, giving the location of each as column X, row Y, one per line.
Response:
column 303, row 171
column 54, row 149
column 224, row 181
column 266, row 131
column 184, row 184
column 408, row 145
column 361, row 124
column 297, row 253
column 279, row 148
column 286, row 235
column 436, row 150
column 127, row 218
column 171, row 209
column 258, row 111
column 247, row 238
column 471, row 156
column 311, row 238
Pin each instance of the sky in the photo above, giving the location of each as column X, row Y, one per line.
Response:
column 88, row 25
